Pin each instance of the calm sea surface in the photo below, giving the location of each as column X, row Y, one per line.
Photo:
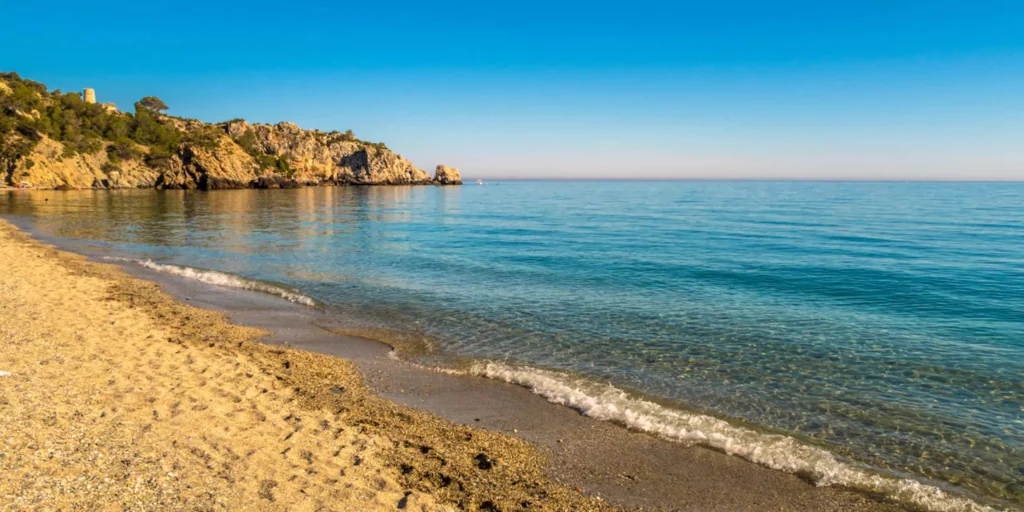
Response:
column 881, row 321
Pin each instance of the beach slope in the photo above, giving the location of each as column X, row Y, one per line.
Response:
column 114, row 396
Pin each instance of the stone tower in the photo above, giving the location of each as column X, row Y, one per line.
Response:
column 89, row 96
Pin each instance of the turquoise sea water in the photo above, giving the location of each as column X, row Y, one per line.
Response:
column 883, row 322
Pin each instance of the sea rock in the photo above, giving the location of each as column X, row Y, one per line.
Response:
column 445, row 175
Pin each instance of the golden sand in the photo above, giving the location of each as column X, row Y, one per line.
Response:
column 119, row 397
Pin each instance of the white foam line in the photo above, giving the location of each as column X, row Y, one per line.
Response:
column 221, row 279
column 606, row 402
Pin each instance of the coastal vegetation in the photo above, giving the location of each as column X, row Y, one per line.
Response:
column 29, row 111
column 56, row 139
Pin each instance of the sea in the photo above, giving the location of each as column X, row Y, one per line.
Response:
column 862, row 334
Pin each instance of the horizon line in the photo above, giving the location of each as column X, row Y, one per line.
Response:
column 818, row 180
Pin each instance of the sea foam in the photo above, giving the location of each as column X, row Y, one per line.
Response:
column 221, row 279
column 608, row 403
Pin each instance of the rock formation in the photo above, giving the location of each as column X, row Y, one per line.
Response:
column 316, row 157
column 234, row 154
column 50, row 166
column 445, row 175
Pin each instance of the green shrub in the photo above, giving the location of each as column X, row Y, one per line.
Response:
column 206, row 137
column 159, row 158
column 153, row 104
column 123, row 149
column 247, row 141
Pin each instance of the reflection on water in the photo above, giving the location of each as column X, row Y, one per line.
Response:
column 885, row 321
column 230, row 219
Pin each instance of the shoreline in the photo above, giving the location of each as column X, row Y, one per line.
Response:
column 248, row 186
column 115, row 394
column 625, row 467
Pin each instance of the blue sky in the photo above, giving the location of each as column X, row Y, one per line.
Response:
column 741, row 89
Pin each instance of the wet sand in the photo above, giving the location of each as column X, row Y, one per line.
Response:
column 114, row 396
column 566, row 459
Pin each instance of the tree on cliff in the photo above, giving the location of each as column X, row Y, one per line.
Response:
column 153, row 103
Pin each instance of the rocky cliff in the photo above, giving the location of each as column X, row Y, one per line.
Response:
column 313, row 156
column 50, row 166
column 55, row 140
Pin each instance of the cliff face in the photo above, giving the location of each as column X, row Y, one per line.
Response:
column 46, row 167
column 317, row 157
column 223, row 165
column 189, row 154
column 50, row 166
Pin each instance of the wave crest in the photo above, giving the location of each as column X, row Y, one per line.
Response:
column 608, row 403
column 221, row 279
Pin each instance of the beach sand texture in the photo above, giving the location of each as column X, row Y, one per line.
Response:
column 119, row 397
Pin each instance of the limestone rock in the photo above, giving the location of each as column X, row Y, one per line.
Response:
column 47, row 167
column 235, row 154
column 133, row 174
column 371, row 166
column 225, row 166
column 276, row 181
column 176, row 177
column 237, row 128
column 445, row 175
column 317, row 157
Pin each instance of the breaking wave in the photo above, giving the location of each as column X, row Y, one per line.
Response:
column 606, row 402
column 221, row 279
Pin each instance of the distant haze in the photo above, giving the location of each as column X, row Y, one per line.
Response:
column 684, row 90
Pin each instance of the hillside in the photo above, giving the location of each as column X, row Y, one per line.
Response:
column 57, row 140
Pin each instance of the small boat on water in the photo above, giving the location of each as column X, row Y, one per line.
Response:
column 479, row 182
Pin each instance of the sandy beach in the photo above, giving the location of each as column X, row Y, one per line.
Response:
column 115, row 396
column 122, row 394
column 681, row 256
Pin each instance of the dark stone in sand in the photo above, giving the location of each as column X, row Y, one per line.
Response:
column 484, row 462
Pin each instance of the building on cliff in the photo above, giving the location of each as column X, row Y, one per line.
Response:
column 89, row 96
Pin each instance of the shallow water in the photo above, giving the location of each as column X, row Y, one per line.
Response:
column 881, row 321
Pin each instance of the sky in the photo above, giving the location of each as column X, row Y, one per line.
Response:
column 898, row 90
